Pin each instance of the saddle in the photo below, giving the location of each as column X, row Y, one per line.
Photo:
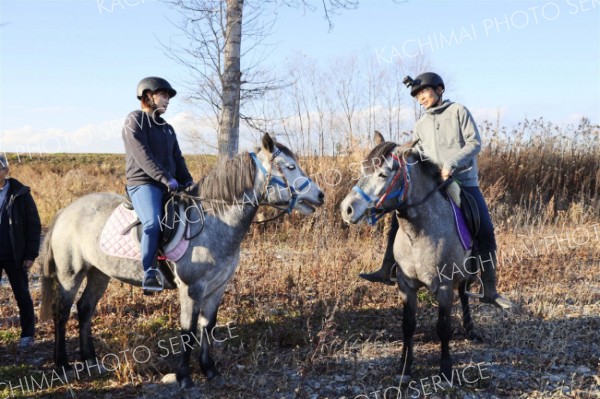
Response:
column 173, row 217
column 172, row 243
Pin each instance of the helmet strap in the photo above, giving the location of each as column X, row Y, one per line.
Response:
column 439, row 96
column 151, row 102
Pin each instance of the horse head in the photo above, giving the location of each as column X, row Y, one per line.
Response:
column 281, row 182
column 385, row 183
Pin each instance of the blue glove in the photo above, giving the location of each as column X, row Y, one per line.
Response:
column 172, row 184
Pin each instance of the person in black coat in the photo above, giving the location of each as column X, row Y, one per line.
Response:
column 20, row 230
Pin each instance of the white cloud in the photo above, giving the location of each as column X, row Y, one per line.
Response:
column 104, row 137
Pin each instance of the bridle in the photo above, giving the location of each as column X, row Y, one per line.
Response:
column 375, row 209
column 272, row 181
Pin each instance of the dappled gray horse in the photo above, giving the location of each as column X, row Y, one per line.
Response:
column 427, row 247
column 230, row 194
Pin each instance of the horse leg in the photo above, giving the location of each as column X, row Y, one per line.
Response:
column 190, row 310
column 409, row 323
column 444, row 328
column 463, row 288
column 67, row 289
column 86, row 306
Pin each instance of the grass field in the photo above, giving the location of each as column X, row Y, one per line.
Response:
column 296, row 322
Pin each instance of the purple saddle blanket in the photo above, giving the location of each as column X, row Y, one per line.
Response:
column 466, row 239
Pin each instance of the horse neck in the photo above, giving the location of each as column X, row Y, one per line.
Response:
column 230, row 222
column 422, row 183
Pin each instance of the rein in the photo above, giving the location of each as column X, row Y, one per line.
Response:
column 376, row 211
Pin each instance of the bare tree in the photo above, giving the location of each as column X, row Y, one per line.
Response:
column 215, row 29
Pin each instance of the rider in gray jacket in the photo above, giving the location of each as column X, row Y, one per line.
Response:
column 449, row 137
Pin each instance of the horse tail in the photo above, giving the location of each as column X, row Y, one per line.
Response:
column 48, row 274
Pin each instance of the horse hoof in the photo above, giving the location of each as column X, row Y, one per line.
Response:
column 211, row 374
column 65, row 366
column 475, row 337
column 186, row 383
column 190, row 393
column 404, row 380
column 217, row 381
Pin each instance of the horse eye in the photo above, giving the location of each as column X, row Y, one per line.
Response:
column 291, row 167
column 383, row 175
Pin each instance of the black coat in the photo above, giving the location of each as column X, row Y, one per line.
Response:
column 24, row 222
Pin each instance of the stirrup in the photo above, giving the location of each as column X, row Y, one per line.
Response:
column 392, row 277
column 150, row 290
column 477, row 295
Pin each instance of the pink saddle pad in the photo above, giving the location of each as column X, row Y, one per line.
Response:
column 114, row 243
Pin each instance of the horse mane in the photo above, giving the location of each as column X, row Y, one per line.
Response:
column 430, row 168
column 381, row 151
column 229, row 179
column 377, row 155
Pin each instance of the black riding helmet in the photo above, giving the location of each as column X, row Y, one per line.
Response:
column 153, row 84
column 427, row 79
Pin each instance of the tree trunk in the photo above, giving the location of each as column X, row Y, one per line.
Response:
column 229, row 129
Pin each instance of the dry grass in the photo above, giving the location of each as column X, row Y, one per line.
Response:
column 308, row 326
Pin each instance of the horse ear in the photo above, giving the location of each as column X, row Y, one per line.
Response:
column 378, row 138
column 268, row 143
column 413, row 143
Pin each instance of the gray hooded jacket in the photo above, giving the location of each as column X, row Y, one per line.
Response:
column 449, row 137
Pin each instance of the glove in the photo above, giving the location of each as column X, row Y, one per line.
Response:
column 172, row 184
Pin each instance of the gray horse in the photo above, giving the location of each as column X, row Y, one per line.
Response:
column 427, row 247
column 231, row 194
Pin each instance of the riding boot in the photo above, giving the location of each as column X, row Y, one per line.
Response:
column 488, row 264
column 384, row 274
column 153, row 281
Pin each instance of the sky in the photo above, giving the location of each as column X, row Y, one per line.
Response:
column 69, row 68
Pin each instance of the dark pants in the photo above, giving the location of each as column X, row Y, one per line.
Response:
column 486, row 239
column 17, row 276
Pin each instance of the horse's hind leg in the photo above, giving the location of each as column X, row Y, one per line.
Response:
column 463, row 288
column 95, row 287
column 444, row 329
column 68, row 284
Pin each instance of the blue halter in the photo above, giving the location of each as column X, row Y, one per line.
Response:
column 277, row 181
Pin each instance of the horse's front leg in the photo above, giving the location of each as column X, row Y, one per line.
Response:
column 409, row 324
column 189, row 297
column 208, row 321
